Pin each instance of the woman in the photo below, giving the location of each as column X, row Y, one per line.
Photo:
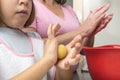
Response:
column 55, row 11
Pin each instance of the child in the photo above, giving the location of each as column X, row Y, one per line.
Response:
column 21, row 54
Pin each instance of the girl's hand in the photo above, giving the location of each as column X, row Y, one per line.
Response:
column 52, row 43
column 73, row 57
column 96, row 21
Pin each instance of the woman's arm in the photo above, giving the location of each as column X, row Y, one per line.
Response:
column 95, row 22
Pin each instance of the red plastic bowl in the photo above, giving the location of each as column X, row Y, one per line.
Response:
column 103, row 62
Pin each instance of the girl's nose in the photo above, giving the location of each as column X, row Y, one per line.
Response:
column 25, row 2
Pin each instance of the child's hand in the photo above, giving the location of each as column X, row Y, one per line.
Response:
column 52, row 43
column 73, row 57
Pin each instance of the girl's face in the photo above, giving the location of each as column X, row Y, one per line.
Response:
column 15, row 13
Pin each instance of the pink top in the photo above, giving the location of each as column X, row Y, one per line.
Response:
column 44, row 17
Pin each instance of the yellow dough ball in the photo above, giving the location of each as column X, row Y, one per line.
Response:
column 62, row 51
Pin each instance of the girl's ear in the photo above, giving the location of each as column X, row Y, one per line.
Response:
column 31, row 18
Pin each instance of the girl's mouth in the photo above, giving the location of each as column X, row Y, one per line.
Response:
column 25, row 12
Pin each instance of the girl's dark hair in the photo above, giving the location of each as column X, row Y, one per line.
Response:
column 31, row 18
column 61, row 2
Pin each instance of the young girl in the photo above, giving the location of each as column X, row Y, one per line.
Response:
column 22, row 55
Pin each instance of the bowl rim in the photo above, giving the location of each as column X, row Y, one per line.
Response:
column 110, row 46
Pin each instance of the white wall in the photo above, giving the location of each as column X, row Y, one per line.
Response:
column 78, row 8
column 110, row 35
column 70, row 2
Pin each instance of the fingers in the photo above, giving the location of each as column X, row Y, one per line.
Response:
column 75, row 60
column 101, row 11
column 99, row 8
column 74, row 54
column 97, row 19
column 53, row 30
column 72, row 62
column 104, row 23
column 76, row 50
column 100, row 19
column 72, row 58
column 49, row 32
column 67, row 65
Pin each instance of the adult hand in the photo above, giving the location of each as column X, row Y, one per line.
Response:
column 96, row 21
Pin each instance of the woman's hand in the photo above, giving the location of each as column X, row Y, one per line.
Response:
column 96, row 21
column 73, row 57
